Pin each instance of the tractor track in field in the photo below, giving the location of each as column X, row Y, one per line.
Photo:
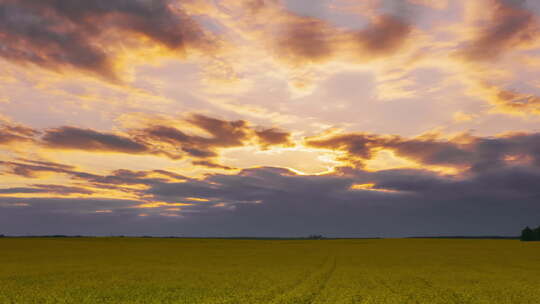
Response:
column 326, row 278
column 310, row 288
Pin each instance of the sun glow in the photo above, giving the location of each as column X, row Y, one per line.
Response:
column 299, row 159
column 388, row 160
column 151, row 205
column 370, row 187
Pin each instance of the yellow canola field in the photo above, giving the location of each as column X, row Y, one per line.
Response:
column 192, row 271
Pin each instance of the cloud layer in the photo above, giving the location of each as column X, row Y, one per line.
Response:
column 269, row 117
column 155, row 139
column 495, row 185
column 81, row 34
column 465, row 151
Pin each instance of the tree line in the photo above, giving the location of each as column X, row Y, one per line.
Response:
column 528, row 234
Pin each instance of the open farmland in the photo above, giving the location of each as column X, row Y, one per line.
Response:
column 130, row 270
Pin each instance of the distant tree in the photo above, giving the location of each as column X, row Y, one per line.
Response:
column 527, row 234
column 1, row 235
column 315, row 237
column 536, row 233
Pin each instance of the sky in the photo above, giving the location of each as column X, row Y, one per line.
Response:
column 346, row 118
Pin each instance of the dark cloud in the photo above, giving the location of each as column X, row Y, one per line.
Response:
column 192, row 145
column 169, row 174
column 31, row 36
column 76, row 216
column 385, row 35
column 267, row 200
column 115, row 180
column 255, row 186
column 71, row 206
column 463, row 151
column 90, row 140
column 155, row 139
column 501, row 183
column 177, row 141
column 225, row 133
column 211, row 164
column 13, row 133
column 222, row 134
column 360, row 144
column 307, row 39
column 153, row 18
column 123, row 177
column 7, row 138
column 466, row 151
column 24, row 190
column 51, row 189
column 511, row 25
column 120, row 181
column 496, row 191
column 32, row 169
column 478, row 153
column 311, row 40
column 57, row 34
column 86, row 35
column 273, row 137
column 46, row 164
column 278, row 202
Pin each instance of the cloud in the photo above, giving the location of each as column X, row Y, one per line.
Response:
column 30, row 169
column 69, row 206
column 511, row 25
column 274, row 201
column 118, row 183
column 299, row 40
column 274, row 137
column 249, row 186
column 29, row 36
column 203, row 139
column 223, row 134
column 46, row 164
column 513, row 102
column 90, row 140
column 313, row 40
column 269, row 201
column 492, row 186
column 50, row 189
column 84, row 35
column 306, row 40
column 177, row 139
column 210, row 164
column 125, row 177
column 359, row 146
column 14, row 133
column 463, row 151
column 385, row 35
column 510, row 182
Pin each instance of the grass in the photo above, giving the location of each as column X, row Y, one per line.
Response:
column 126, row 270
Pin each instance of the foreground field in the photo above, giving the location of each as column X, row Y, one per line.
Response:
column 122, row 270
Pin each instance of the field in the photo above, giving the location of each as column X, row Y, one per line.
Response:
column 129, row 270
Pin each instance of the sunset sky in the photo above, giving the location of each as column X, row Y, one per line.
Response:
column 269, row 117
